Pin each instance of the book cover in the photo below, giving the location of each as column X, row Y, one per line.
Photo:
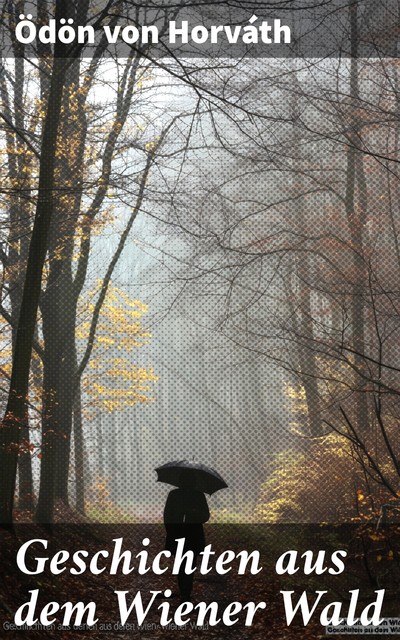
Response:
column 199, row 318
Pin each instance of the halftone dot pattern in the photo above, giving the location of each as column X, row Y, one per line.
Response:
column 229, row 406
column 271, row 261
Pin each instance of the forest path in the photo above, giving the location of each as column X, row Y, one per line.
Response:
column 222, row 590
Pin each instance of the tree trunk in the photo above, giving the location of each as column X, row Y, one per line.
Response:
column 26, row 500
column 58, row 307
column 16, row 413
column 79, row 453
column 356, row 217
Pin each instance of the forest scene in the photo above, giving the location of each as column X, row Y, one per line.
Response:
column 200, row 261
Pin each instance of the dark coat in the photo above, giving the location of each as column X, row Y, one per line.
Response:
column 184, row 514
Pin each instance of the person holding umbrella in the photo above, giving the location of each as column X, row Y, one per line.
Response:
column 186, row 510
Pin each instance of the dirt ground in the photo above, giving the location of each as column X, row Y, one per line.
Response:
column 265, row 586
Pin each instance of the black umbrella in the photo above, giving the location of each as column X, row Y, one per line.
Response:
column 193, row 475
